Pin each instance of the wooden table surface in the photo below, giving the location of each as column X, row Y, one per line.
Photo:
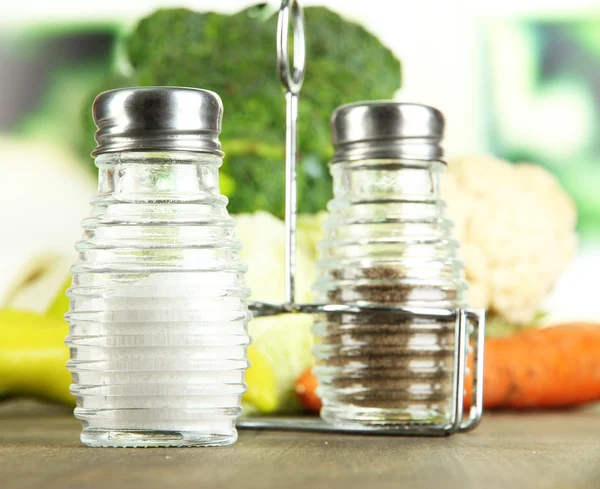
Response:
column 40, row 448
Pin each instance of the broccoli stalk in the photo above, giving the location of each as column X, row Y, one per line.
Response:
column 234, row 55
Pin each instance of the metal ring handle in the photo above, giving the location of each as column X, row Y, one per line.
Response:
column 291, row 78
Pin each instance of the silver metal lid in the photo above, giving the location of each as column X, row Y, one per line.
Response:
column 158, row 119
column 386, row 129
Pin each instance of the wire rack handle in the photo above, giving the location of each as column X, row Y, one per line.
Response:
column 293, row 77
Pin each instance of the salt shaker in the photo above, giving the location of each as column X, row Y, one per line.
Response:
column 387, row 242
column 158, row 316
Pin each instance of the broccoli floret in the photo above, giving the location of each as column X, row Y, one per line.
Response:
column 234, row 55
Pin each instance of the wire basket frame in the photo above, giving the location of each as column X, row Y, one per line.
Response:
column 470, row 323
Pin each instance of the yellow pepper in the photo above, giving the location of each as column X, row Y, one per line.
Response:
column 262, row 384
column 33, row 357
column 33, row 360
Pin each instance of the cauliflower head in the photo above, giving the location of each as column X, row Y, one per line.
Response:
column 263, row 237
column 516, row 227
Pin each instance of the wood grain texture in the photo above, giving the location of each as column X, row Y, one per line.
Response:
column 40, row 448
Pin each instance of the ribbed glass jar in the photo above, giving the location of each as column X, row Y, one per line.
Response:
column 387, row 242
column 158, row 318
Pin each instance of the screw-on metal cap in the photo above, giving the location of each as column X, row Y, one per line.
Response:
column 386, row 129
column 158, row 119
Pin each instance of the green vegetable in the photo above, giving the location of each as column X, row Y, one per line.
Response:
column 234, row 55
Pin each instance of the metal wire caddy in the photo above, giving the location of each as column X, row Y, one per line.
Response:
column 469, row 322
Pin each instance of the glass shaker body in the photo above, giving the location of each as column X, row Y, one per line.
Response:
column 387, row 243
column 158, row 316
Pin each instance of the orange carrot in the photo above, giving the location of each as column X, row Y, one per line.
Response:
column 557, row 366
column 550, row 367
column 306, row 390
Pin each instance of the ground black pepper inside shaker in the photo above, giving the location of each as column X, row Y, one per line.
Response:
column 387, row 243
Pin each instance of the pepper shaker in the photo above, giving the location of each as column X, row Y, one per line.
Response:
column 387, row 243
column 158, row 304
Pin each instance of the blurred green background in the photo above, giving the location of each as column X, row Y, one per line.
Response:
column 520, row 80
column 544, row 83
column 536, row 94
